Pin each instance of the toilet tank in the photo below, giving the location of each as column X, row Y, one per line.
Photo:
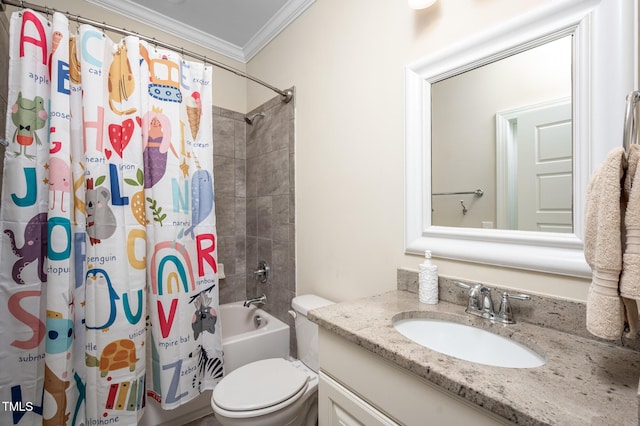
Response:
column 306, row 331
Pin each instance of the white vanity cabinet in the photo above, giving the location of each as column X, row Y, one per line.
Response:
column 358, row 387
column 340, row 407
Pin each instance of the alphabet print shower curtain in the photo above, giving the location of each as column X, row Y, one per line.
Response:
column 108, row 274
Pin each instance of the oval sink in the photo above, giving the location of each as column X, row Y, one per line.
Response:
column 468, row 343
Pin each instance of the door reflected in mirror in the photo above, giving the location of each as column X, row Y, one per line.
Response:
column 502, row 146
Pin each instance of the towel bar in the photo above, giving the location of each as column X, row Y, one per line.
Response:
column 630, row 135
column 477, row 193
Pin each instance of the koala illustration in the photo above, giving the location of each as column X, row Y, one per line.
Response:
column 101, row 222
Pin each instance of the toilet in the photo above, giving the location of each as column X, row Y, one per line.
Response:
column 275, row 391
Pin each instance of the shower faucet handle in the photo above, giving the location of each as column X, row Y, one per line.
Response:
column 262, row 273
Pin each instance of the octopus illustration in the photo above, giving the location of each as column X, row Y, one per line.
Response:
column 34, row 248
column 28, row 115
column 156, row 137
column 202, row 196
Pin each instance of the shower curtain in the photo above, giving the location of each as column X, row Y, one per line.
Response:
column 108, row 273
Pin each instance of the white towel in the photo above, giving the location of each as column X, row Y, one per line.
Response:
column 603, row 248
column 630, row 277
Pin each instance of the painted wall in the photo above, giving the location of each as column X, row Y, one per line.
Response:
column 229, row 90
column 346, row 61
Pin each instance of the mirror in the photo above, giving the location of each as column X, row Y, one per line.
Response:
column 599, row 80
column 515, row 148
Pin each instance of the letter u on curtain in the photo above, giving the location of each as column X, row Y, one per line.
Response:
column 108, row 273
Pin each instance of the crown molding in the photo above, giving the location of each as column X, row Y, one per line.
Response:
column 287, row 14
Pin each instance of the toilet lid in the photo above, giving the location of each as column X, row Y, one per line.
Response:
column 259, row 385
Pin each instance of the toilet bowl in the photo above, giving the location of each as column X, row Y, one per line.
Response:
column 270, row 392
column 275, row 391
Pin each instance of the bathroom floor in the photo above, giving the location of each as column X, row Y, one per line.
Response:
column 204, row 421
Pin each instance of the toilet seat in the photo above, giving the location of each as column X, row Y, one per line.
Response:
column 266, row 385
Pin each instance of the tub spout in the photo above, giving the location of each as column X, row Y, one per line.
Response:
column 257, row 301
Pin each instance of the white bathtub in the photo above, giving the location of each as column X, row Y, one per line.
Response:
column 242, row 343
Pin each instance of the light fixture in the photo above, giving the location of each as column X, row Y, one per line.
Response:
column 420, row 4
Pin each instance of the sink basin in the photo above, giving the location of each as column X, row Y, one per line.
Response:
column 468, row 343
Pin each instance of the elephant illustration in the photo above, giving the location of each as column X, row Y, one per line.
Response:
column 34, row 248
column 28, row 115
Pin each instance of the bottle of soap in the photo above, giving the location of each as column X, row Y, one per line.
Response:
column 428, row 280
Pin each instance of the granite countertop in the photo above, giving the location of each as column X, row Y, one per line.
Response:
column 583, row 382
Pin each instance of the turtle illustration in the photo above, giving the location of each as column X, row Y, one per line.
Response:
column 116, row 355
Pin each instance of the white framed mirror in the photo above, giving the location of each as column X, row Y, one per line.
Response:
column 602, row 37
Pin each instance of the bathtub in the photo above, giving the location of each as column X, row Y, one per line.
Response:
column 248, row 334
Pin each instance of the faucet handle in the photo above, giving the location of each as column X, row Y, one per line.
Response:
column 474, row 303
column 462, row 285
column 262, row 273
column 505, row 314
column 487, row 302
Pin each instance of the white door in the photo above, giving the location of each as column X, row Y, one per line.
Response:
column 545, row 169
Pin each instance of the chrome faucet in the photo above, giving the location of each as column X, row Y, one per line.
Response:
column 256, row 301
column 480, row 303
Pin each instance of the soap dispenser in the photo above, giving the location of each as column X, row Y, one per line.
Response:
column 428, row 280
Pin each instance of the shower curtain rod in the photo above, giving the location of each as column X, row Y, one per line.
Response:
column 287, row 95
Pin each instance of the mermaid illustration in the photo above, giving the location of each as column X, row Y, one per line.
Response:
column 156, row 137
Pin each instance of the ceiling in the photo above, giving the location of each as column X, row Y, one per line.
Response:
column 238, row 29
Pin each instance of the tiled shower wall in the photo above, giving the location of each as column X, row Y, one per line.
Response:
column 229, row 172
column 255, row 211
column 271, row 207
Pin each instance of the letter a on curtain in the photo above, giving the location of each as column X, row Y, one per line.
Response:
column 108, row 251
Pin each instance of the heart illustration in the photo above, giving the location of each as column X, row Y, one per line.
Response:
column 56, row 146
column 108, row 153
column 120, row 135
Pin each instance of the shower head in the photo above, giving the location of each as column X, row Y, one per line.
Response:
column 253, row 118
